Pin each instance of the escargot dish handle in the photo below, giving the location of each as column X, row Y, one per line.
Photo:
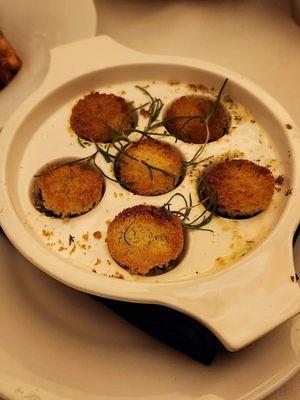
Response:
column 247, row 301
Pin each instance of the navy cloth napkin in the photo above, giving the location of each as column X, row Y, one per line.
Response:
column 169, row 326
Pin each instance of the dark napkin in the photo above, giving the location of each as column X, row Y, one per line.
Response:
column 170, row 327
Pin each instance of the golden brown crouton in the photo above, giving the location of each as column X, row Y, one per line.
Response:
column 98, row 116
column 243, row 188
column 140, row 178
column 145, row 240
column 10, row 63
column 194, row 131
column 69, row 190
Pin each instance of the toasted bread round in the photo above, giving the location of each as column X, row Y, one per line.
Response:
column 98, row 116
column 141, row 179
column 145, row 240
column 10, row 63
column 194, row 131
column 242, row 188
column 68, row 190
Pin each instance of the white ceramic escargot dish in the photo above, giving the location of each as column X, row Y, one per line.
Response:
column 238, row 278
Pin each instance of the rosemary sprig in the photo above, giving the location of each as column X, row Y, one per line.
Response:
column 117, row 134
column 155, row 106
column 121, row 136
column 166, row 120
column 132, row 111
column 126, row 231
column 150, row 167
column 146, row 92
column 83, row 143
column 91, row 159
column 117, row 140
column 205, row 216
column 189, row 118
column 87, row 159
column 106, row 176
column 118, row 146
column 168, row 204
column 194, row 160
column 205, row 219
column 71, row 239
column 213, row 111
column 105, row 153
column 217, row 102
column 154, row 109
column 111, row 158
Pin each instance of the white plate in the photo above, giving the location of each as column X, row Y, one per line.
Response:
column 58, row 343
column 33, row 29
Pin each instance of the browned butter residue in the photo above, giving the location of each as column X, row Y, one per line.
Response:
column 239, row 246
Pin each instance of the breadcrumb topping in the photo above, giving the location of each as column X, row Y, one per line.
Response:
column 138, row 178
column 145, row 239
column 243, row 188
column 97, row 116
column 194, row 131
column 69, row 190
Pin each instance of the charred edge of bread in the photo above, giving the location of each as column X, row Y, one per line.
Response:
column 117, row 171
column 39, row 205
column 158, row 269
column 239, row 217
column 224, row 214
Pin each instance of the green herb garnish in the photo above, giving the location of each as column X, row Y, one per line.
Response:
column 184, row 213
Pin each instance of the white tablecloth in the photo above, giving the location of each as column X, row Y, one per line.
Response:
column 257, row 38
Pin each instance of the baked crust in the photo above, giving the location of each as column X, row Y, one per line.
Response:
column 136, row 176
column 10, row 63
column 243, row 188
column 195, row 131
column 69, row 190
column 97, row 116
column 145, row 240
